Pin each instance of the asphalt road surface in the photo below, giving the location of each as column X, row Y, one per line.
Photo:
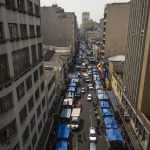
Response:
column 88, row 119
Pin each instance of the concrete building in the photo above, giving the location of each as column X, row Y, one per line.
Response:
column 23, row 110
column 101, row 25
column 59, row 28
column 85, row 17
column 136, row 74
column 115, row 28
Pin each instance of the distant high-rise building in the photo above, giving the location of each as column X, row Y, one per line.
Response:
column 85, row 17
column 23, row 110
column 115, row 28
column 136, row 97
column 59, row 28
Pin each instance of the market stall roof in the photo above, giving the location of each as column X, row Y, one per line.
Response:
column 95, row 73
column 106, row 112
column 100, row 91
column 74, row 80
column 98, row 82
column 61, row 145
column 63, row 131
column 94, row 69
column 110, row 123
column 102, row 96
column 72, row 84
column 71, row 89
column 113, row 135
column 70, row 95
column 68, row 101
column 75, row 76
column 104, row 104
column 66, row 113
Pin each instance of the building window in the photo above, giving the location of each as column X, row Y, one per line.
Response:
column 13, row 31
column 43, row 102
column 16, row 147
column 41, row 70
column 35, row 75
column 34, row 139
column 52, row 95
column 32, row 31
column 10, row 3
column 38, row 31
column 2, row 37
column 20, row 91
column 30, row 7
column 42, row 86
column 7, row 132
column 40, row 126
column 25, row 135
column 6, row 103
column 37, row 94
column 40, row 51
column 32, row 122
column 23, row 114
column 28, row 83
column 37, row 10
column 23, row 31
column 39, row 111
column 21, row 60
column 34, row 55
column 30, row 104
column 4, row 73
column 44, row 116
column 21, row 5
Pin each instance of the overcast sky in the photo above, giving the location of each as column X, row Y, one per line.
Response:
column 95, row 7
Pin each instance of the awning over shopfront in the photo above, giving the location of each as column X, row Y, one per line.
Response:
column 63, row 131
column 68, row 101
column 110, row 123
column 72, row 84
column 113, row 135
column 106, row 112
column 66, row 113
column 75, row 80
column 99, row 91
column 102, row 96
column 70, row 95
column 62, row 145
column 104, row 104
column 71, row 89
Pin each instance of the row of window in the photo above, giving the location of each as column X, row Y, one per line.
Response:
column 7, row 103
column 14, row 31
column 11, row 129
column 51, row 82
column 21, row 61
column 23, row 6
column 51, row 96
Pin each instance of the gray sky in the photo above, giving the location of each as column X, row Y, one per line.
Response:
column 95, row 7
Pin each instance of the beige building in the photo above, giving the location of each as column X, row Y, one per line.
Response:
column 136, row 80
column 23, row 111
column 59, row 28
column 85, row 17
column 115, row 28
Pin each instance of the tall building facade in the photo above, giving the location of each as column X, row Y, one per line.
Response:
column 115, row 28
column 23, row 110
column 136, row 74
column 59, row 28
column 85, row 17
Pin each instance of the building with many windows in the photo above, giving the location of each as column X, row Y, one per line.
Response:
column 23, row 109
column 115, row 28
column 85, row 17
column 135, row 101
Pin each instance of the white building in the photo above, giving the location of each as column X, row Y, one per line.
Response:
column 23, row 109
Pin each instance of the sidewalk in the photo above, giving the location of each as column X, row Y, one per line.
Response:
column 127, row 126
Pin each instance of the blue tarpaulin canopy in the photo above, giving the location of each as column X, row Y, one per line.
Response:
column 94, row 69
column 74, row 76
column 70, row 95
column 95, row 73
column 72, row 84
column 110, row 123
column 113, row 135
column 62, row 145
column 66, row 113
column 102, row 96
column 63, row 131
column 74, row 80
column 106, row 112
column 99, row 91
column 104, row 104
column 98, row 82
column 71, row 89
